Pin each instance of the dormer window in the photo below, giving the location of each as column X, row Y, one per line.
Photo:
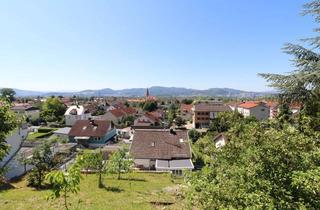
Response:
column 181, row 140
column 84, row 127
column 153, row 144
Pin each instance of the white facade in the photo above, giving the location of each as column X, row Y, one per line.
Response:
column 220, row 141
column 75, row 113
column 260, row 112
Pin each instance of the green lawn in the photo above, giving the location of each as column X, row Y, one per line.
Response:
column 134, row 191
column 41, row 134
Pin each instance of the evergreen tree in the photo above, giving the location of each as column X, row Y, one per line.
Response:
column 303, row 84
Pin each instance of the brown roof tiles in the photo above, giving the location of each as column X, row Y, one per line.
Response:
column 160, row 144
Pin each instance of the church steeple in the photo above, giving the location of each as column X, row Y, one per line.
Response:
column 147, row 93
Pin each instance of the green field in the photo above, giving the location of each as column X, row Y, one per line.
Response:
column 42, row 133
column 134, row 191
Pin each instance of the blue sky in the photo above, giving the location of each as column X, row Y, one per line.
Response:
column 76, row 45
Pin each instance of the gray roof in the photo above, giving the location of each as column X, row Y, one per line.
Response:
column 64, row 130
column 174, row 164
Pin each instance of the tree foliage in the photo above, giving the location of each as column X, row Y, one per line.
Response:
column 94, row 161
column 64, row 182
column 194, row 135
column 8, row 94
column 150, row 106
column 119, row 162
column 303, row 84
column 225, row 120
column 53, row 110
column 8, row 122
column 42, row 160
column 261, row 167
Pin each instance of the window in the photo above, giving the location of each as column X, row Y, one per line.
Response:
column 262, row 110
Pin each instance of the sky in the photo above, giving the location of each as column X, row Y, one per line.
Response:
column 79, row 44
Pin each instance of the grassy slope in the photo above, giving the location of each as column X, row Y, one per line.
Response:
column 118, row 194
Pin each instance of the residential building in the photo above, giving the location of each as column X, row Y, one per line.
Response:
column 259, row 110
column 74, row 113
column 147, row 119
column 26, row 110
column 162, row 150
column 92, row 133
column 116, row 115
column 205, row 111
column 220, row 140
column 274, row 109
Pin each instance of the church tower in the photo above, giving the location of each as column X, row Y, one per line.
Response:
column 147, row 93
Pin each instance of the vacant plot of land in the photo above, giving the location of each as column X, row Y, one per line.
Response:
column 134, row 191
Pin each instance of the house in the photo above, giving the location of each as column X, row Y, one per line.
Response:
column 274, row 109
column 75, row 113
column 205, row 111
column 26, row 110
column 148, row 119
column 116, row 115
column 92, row 133
column 162, row 150
column 186, row 111
column 259, row 110
column 220, row 140
column 125, row 133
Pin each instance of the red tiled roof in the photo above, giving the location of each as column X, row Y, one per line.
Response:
column 186, row 107
column 129, row 110
column 96, row 128
column 249, row 104
column 151, row 116
column 117, row 112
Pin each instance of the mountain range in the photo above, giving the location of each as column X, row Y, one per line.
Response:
column 154, row 91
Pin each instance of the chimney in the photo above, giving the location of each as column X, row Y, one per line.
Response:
column 172, row 131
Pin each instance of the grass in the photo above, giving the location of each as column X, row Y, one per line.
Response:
column 134, row 191
column 41, row 134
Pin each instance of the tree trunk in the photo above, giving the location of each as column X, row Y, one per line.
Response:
column 39, row 178
column 100, row 180
column 119, row 170
column 65, row 198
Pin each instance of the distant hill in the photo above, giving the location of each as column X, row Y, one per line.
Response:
column 155, row 91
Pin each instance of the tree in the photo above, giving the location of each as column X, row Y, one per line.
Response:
column 194, row 135
column 8, row 94
column 150, row 106
column 127, row 120
column 22, row 159
column 303, row 84
column 224, row 121
column 64, row 182
column 285, row 113
column 53, row 110
column 94, row 161
column 262, row 166
column 179, row 121
column 120, row 162
column 187, row 101
column 42, row 160
column 8, row 122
